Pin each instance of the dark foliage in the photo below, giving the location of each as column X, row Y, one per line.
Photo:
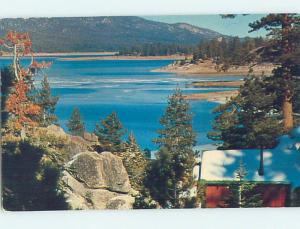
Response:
column 157, row 49
column 75, row 124
column 7, row 81
column 250, row 120
column 228, row 51
column 110, row 133
column 170, row 176
column 28, row 184
column 47, row 102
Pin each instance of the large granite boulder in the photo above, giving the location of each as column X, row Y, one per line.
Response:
column 97, row 181
column 56, row 131
column 103, row 170
column 90, row 137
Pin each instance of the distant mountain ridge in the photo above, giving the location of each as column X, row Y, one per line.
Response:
column 86, row 34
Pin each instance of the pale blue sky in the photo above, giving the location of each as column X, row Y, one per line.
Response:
column 234, row 27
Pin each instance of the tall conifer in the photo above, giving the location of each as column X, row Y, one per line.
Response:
column 75, row 124
column 171, row 176
column 283, row 50
column 110, row 133
column 47, row 102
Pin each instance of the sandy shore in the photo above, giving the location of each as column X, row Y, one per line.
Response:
column 219, row 96
column 237, row 83
column 208, row 68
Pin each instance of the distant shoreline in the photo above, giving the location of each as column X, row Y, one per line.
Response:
column 86, row 56
column 46, row 54
column 122, row 57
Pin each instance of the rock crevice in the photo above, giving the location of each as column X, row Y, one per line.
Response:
column 97, row 181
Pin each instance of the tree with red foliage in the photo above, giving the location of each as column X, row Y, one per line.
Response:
column 18, row 103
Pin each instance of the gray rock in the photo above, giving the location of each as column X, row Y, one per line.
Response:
column 91, row 137
column 56, row 131
column 103, row 170
column 79, row 196
column 97, row 181
column 120, row 202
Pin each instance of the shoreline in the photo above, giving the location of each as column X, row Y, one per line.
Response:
column 86, row 56
column 122, row 57
column 219, row 96
column 45, row 54
column 208, row 68
column 218, row 83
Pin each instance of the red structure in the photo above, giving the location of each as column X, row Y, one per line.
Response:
column 215, row 196
column 273, row 194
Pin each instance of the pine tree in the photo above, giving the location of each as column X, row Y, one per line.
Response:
column 75, row 124
column 30, row 183
column 248, row 195
column 282, row 49
column 47, row 103
column 7, row 82
column 264, row 134
column 110, row 133
column 251, row 119
column 134, row 162
column 243, row 194
column 131, row 144
column 170, row 177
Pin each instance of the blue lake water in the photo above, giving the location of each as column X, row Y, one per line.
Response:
column 127, row 87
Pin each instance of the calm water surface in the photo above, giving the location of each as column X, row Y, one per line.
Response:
column 128, row 87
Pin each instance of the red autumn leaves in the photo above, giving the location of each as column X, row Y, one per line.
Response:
column 18, row 103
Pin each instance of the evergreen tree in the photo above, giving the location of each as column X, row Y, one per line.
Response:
column 75, row 124
column 134, row 162
column 110, row 133
column 47, row 103
column 131, row 144
column 282, row 49
column 171, row 175
column 250, row 120
column 227, row 52
column 243, row 194
column 264, row 134
column 29, row 183
column 7, row 82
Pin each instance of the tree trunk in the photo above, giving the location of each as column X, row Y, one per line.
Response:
column 287, row 108
column 15, row 62
column 287, row 47
column 261, row 163
column 240, row 195
column 175, row 195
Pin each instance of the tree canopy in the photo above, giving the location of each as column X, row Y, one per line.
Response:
column 171, row 175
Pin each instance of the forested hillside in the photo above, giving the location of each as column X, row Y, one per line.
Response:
column 106, row 34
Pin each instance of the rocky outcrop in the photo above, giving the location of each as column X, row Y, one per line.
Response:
column 90, row 137
column 56, row 131
column 97, row 181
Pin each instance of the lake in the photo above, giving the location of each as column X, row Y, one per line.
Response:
column 127, row 87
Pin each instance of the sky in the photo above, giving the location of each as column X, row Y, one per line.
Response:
column 233, row 27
